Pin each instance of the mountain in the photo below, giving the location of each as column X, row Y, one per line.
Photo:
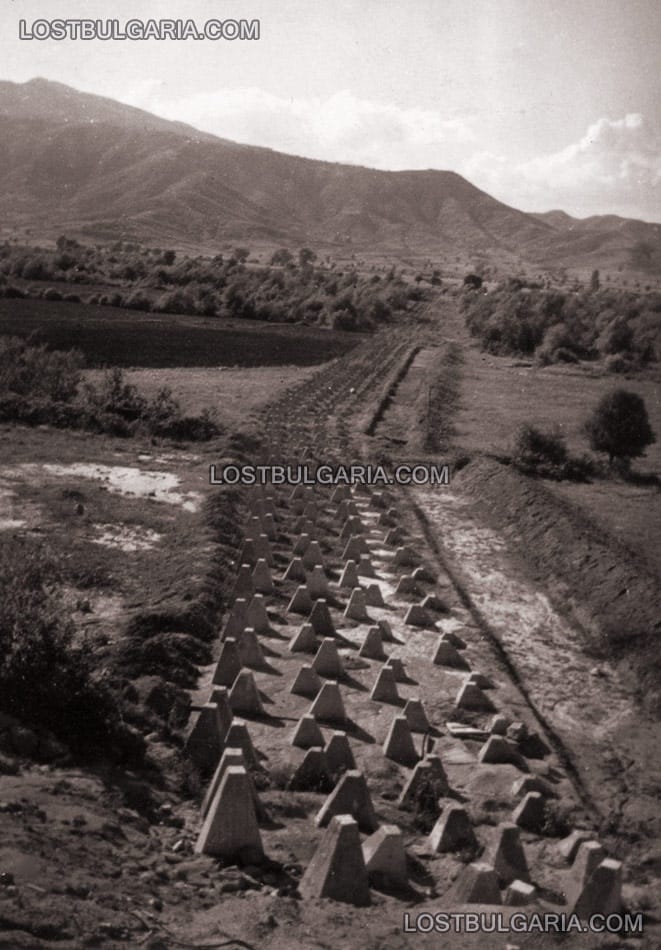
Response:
column 85, row 165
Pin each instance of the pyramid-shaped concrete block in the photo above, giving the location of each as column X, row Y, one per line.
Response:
column 499, row 750
column 530, row 814
column 480, row 680
column 340, row 494
column 321, row 620
column 385, row 858
column 373, row 596
column 327, row 661
column 312, row 556
column 405, row 557
column 229, row 757
column 243, row 586
column 301, row 602
column 244, row 695
column 256, row 616
column 301, row 545
column 306, row 683
column 372, row 645
column 328, row 705
column 295, row 571
column 365, row 566
column 396, row 664
column 337, row 870
column 349, row 577
column 417, row 616
column 355, row 546
column 352, row 525
column 385, row 686
column 263, row 548
column 230, row 830
column 395, row 536
column 307, row 733
column 519, row 893
column 312, row 773
column 476, row 884
column 602, row 893
column 415, row 714
column 249, row 649
column 386, row 631
column 237, row 619
column 356, row 609
column 447, row 655
column 428, row 782
column 205, row 740
column 261, row 575
column 533, row 783
column 304, row 641
column 317, row 582
column 452, row 832
column 589, row 856
column 350, row 797
column 506, row 854
column 338, row 753
column 406, row 585
column 471, row 697
column 399, row 745
column 568, row 847
column 228, row 665
column 248, row 553
column 433, row 603
column 238, row 737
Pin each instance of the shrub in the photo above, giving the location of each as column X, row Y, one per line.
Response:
column 619, row 426
column 34, row 370
column 540, row 453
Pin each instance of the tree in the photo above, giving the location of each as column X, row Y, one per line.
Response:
column 282, row 257
column 594, row 280
column 241, row 254
column 619, row 426
column 306, row 256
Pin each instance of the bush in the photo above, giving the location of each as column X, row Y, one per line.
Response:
column 619, row 426
column 46, row 678
column 29, row 370
column 545, row 455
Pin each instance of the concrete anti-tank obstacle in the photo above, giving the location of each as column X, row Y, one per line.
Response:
column 602, row 893
column 386, row 631
column 457, row 642
column 301, row 545
column 349, row 577
column 249, row 649
column 308, row 528
column 417, row 616
column 244, row 586
column 428, row 779
column 237, row 619
column 261, row 576
column 306, row 683
column 244, row 695
column 385, row 686
column 407, row 585
column 452, row 832
column 350, row 797
column 532, row 783
column 355, row 546
column 320, row 619
column 205, row 740
column 477, row 884
column 530, row 814
column 385, row 858
column 498, row 727
column 372, row 645
column 312, row 774
column 328, row 705
column 415, row 714
column 238, row 737
column 396, row 664
column 327, row 661
column 307, row 733
column 263, row 548
column 340, row 493
column 395, row 536
column 365, row 566
column 338, row 753
column 304, row 641
column 481, row 680
column 471, row 697
column 589, row 856
column 432, row 602
column 230, row 829
column 498, row 750
column 405, row 557
column 568, row 847
column 352, row 525
column 519, row 893
column 337, row 870
column 229, row 757
column 301, row 602
column 356, row 609
column 507, row 856
column 248, row 554
column 373, row 596
column 399, row 745
column 447, row 655
column 228, row 665
column 317, row 582
column 295, row 571
column 256, row 616
column 312, row 556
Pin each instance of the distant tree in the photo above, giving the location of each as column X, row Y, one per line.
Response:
column 282, row 257
column 168, row 258
column 619, row 426
column 241, row 254
column 306, row 256
column 594, row 280
column 473, row 281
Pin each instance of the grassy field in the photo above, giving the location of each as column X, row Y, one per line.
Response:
column 498, row 394
column 110, row 336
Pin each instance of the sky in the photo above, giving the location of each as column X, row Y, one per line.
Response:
column 543, row 103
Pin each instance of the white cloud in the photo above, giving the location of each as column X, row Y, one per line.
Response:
column 340, row 127
column 617, row 163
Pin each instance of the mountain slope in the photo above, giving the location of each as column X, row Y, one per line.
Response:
column 74, row 162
